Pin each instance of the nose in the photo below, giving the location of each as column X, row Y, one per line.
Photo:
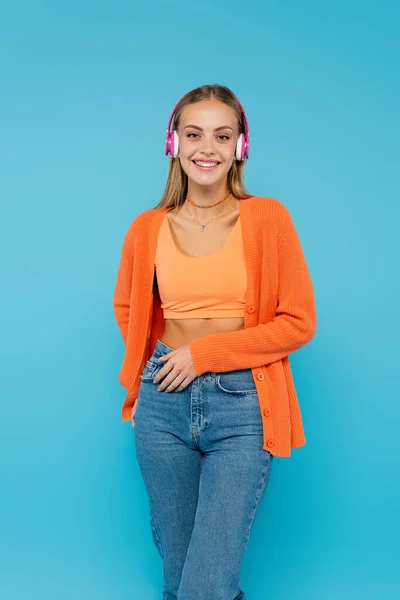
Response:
column 208, row 152
column 207, row 147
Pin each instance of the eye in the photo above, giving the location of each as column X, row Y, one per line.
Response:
column 190, row 134
column 226, row 137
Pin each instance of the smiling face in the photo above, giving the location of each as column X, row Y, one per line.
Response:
column 208, row 132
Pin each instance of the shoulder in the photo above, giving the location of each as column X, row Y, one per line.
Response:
column 269, row 217
column 268, row 209
column 140, row 224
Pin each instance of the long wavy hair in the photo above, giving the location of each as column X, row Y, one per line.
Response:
column 177, row 181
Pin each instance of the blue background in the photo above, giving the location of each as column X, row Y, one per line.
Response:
column 86, row 89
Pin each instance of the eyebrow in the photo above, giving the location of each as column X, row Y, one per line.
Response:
column 216, row 129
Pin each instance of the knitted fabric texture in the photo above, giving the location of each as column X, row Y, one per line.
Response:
column 280, row 315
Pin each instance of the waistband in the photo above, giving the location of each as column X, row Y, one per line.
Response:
column 161, row 349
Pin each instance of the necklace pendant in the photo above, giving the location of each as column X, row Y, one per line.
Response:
column 202, row 228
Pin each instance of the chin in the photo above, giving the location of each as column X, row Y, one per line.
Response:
column 207, row 178
column 206, row 181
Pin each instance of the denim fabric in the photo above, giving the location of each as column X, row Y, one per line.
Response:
column 205, row 472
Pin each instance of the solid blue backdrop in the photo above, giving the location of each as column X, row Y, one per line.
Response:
column 86, row 89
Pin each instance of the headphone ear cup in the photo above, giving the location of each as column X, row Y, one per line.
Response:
column 240, row 147
column 246, row 146
column 174, row 146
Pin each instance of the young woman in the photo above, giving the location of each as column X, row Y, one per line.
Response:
column 213, row 293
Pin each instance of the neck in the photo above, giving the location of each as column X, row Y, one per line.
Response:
column 206, row 196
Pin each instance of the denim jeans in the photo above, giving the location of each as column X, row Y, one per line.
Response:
column 205, row 472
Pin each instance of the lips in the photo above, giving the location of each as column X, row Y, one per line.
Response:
column 205, row 165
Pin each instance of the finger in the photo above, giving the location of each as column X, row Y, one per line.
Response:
column 176, row 382
column 184, row 384
column 165, row 357
column 162, row 373
column 132, row 414
column 170, row 379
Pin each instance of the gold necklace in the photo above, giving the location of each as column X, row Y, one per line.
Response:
column 203, row 226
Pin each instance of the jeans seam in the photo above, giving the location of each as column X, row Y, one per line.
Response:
column 258, row 495
column 158, row 541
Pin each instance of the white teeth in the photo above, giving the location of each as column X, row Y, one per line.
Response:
column 204, row 164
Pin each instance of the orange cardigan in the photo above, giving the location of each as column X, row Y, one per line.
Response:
column 280, row 315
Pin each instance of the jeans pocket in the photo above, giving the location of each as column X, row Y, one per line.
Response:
column 240, row 382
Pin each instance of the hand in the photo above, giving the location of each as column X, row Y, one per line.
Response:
column 178, row 370
column 134, row 407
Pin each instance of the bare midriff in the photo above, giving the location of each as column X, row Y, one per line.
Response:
column 180, row 332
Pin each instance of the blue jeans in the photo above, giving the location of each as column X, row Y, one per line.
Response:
column 205, row 472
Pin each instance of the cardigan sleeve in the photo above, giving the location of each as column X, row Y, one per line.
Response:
column 122, row 292
column 293, row 325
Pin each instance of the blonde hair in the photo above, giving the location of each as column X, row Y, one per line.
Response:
column 177, row 181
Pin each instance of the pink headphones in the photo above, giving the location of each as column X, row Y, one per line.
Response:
column 242, row 146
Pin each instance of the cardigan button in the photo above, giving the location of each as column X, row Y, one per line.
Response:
column 260, row 376
column 250, row 309
column 267, row 412
column 270, row 443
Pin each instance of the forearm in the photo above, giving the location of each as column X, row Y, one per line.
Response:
column 252, row 346
column 121, row 298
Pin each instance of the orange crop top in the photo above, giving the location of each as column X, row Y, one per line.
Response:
column 211, row 286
